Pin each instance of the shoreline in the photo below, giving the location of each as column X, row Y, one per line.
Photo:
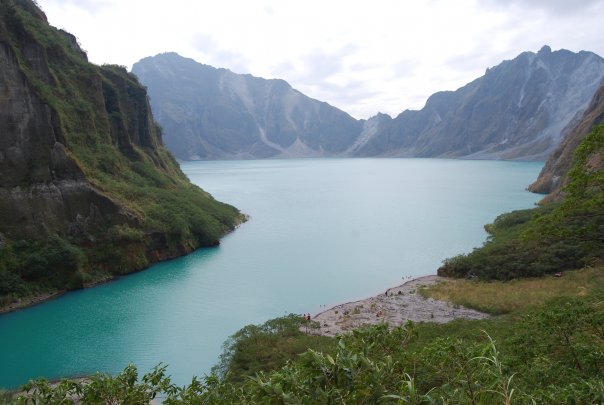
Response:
column 33, row 300
column 395, row 306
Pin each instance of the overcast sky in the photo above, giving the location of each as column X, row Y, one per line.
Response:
column 363, row 57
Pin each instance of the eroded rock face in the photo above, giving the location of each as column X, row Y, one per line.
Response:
column 42, row 189
column 210, row 113
column 516, row 111
column 82, row 162
column 65, row 207
column 553, row 175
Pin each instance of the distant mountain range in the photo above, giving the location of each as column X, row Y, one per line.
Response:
column 516, row 111
column 209, row 113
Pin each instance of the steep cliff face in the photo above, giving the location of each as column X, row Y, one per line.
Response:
column 82, row 160
column 553, row 176
column 42, row 189
column 211, row 113
column 517, row 110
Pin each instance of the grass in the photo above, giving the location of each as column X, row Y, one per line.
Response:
column 5, row 396
column 263, row 348
column 503, row 297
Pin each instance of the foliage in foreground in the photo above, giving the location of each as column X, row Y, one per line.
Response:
column 551, row 355
column 267, row 347
column 547, row 239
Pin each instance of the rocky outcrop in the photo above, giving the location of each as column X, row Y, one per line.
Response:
column 209, row 113
column 516, row 111
column 82, row 160
column 553, row 176
column 43, row 190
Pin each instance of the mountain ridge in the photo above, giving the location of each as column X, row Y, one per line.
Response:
column 242, row 116
column 481, row 120
column 516, row 111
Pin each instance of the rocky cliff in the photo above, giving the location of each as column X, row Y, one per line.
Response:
column 87, row 189
column 553, row 176
column 517, row 110
column 210, row 113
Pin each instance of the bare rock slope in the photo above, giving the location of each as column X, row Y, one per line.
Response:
column 516, row 111
column 553, row 176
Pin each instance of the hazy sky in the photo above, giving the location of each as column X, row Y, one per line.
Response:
column 361, row 56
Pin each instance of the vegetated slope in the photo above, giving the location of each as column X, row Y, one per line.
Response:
column 556, row 236
column 517, row 110
column 567, row 230
column 210, row 113
column 87, row 190
column 553, row 176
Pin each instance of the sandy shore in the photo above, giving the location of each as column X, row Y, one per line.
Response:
column 396, row 306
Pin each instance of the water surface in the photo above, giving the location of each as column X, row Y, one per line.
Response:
column 321, row 232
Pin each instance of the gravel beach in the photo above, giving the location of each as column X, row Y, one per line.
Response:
column 395, row 307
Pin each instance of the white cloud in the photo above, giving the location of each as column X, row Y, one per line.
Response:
column 216, row 55
column 90, row 6
column 362, row 57
column 551, row 7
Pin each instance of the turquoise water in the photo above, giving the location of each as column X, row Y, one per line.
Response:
column 321, row 232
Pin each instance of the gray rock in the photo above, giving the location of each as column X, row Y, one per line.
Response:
column 516, row 111
column 554, row 175
column 209, row 113
column 42, row 190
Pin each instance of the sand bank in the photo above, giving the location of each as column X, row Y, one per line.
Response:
column 395, row 307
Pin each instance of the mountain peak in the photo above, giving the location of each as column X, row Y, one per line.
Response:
column 545, row 50
column 210, row 113
column 515, row 111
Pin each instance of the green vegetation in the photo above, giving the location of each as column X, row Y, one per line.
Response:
column 547, row 348
column 547, row 239
column 518, row 295
column 102, row 116
column 46, row 264
column 266, row 347
column 553, row 354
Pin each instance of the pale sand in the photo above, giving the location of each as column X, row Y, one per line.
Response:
column 395, row 307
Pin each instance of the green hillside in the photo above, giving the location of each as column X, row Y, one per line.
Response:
column 552, row 238
column 87, row 189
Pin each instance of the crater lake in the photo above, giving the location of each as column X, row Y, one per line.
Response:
column 320, row 232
